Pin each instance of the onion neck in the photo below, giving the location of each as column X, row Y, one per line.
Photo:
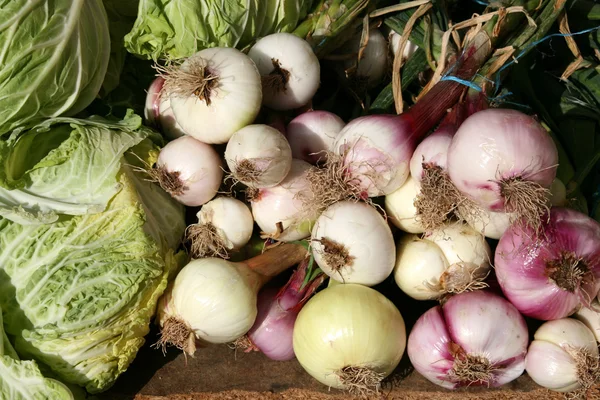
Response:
column 276, row 260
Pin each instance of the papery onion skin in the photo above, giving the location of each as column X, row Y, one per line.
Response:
column 550, row 361
column 234, row 102
column 480, row 324
column 281, row 204
column 377, row 151
column 198, row 166
column 348, row 325
column 521, row 264
column 499, row 144
column 313, row 133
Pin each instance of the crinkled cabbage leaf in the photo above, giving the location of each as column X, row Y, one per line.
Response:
column 171, row 29
column 78, row 294
column 22, row 380
column 53, row 60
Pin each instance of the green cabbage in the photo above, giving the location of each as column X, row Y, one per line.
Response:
column 78, row 293
column 174, row 29
column 53, row 60
column 22, row 380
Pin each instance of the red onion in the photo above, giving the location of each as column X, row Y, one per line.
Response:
column 475, row 338
column 272, row 332
column 504, row 160
column 551, row 275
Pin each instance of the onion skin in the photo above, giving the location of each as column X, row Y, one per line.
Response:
column 521, row 264
column 498, row 144
column 478, row 323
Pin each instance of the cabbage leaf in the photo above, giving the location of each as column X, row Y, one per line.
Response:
column 172, row 29
column 22, row 380
column 53, row 60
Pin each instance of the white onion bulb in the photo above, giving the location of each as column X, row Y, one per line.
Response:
column 349, row 337
column 352, row 243
column 590, row 316
column 224, row 224
column 374, row 62
column 189, row 170
column 452, row 259
column 215, row 93
column 259, row 156
column 409, row 48
column 290, row 70
column 563, row 356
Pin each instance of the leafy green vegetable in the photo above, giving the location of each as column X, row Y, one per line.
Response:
column 86, row 154
column 22, row 380
column 121, row 17
column 54, row 58
column 78, row 294
column 179, row 28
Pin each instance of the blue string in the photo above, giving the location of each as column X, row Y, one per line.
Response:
column 474, row 86
column 483, row 3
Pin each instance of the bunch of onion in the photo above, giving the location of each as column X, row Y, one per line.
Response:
column 189, row 170
column 215, row 301
column 564, row 357
column 224, row 225
column 349, row 336
column 372, row 153
column 449, row 260
column 474, row 339
column 213, row 93
column 552, row 273
column 272, row 332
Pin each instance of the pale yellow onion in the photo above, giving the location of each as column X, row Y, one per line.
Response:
column 400, row 207
column 590, row 316
column 259, row 156
column 353, row 243
column 552, row 356
column 451, row 259
column 235, row 99
column 348, row 325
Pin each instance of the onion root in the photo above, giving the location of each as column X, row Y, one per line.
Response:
column 527, row 199
column 196, row 79
column 175, row 332
column 205, row 241
column 362, row 381
column 335, row 254
column 278, row 78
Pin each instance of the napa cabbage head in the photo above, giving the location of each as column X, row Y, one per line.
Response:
column 53, row 60
column 171, row 29
column 83, row 263
column 22, row 380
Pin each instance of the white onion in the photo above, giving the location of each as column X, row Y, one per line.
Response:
column 433, row 150
column 400, row 207
column 259, row 156
column 224, row 224
column 452, row 259
column 394, row 39
column 189, row 170
column 282, row 204
column 374, row 62
column 352, row 243
column 297, row 77
column 158, row 112
column 230, row 100
column 559, row 356
column 590, row 316
column 313, row 133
